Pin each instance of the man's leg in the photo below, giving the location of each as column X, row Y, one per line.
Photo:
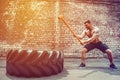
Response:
column 83, row 56
column 86, row 49
column 109, row 54
column 105, row 49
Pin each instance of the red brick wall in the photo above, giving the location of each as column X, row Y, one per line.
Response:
column 103, row 15
column 30, row 24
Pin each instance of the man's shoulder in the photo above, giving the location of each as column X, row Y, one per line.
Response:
column 85, row 30
column 96, row 29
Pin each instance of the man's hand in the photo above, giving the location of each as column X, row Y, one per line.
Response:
column 80, row 40
column 76, row 36
column 83, row 42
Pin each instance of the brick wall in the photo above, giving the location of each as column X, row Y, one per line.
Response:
column 104, row 15
column 31, row 24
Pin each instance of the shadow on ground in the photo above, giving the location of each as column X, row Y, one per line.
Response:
column 96, row 69
column 101, row 69
column 61, row 75
column 93, row 67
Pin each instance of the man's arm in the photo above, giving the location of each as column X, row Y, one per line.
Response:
column 95, row 35
column 81, row 36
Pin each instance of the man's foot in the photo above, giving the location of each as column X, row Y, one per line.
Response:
column 113, row 66
column 82, row 65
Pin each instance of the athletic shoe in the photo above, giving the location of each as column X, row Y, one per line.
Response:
column 82, row 65
column 113, row 66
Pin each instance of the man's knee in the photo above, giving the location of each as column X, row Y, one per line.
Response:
column 84, row 50
column 108, row 51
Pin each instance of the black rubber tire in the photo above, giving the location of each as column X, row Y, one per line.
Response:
column 25, row 63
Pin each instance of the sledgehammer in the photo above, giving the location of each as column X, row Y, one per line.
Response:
column 68, row 26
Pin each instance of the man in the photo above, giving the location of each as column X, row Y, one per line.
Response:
column 92, row 42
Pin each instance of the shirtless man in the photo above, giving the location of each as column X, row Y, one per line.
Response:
column 93, row 42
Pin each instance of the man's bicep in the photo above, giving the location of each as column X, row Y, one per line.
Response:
column 82, row 35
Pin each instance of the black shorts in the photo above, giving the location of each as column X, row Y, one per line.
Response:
column 98, row 45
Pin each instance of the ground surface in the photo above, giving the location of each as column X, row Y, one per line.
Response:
column 96, row 69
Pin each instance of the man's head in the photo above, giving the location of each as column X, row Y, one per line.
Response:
column 88, row 24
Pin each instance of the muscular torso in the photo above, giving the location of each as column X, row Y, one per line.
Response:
column 90, row 34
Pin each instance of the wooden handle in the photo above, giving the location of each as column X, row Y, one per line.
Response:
column 68, row 26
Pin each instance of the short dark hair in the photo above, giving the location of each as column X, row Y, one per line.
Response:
column 88, row 21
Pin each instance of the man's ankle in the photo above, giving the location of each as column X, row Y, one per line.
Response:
column 83, row 62
column 111, row 63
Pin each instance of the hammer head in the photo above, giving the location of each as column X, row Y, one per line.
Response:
column 60, row 16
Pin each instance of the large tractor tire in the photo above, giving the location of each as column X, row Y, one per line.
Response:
column 26, row 63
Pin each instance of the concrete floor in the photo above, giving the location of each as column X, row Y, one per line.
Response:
column 96, row 69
